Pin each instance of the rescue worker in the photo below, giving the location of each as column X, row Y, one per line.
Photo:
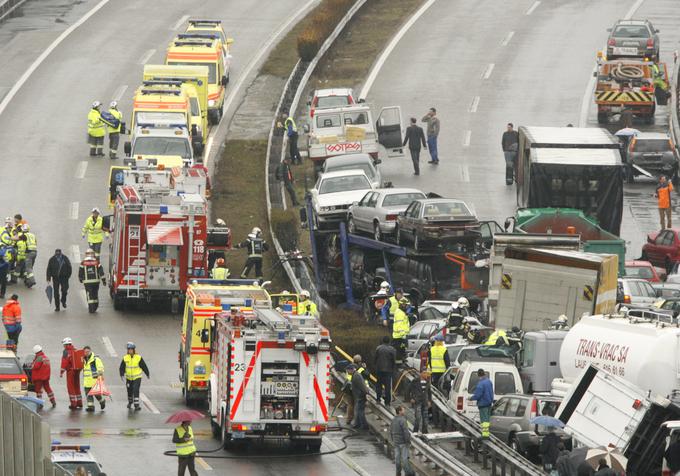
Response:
column 183, row 437
column 306, row 306
column 438, row 360
column 661, row 91
column 31, row 255
column 94, row 230
column 6, row 233
column 484, row 397
column 11, row 319
column 71, row 364
column 90, row 273
column 17, row 229
column 256, row 246
column 20, row 265
column 59, row 272
column 455, row 320
column 96, row 130
column 40, row 374
column 400, row 329
column 562, row 322
column 359, row 393
column 285, row 175
column 114, row 132
column 391, row 307
column 498, row 338
column 220, row 271
column 215, row 254
column 292, row 134
column 663, row 195
column 464, row 306
column 5, row 261
column 93, row 369
column 131, row 368
column 379, row 299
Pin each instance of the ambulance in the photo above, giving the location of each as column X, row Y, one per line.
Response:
column 211, row 28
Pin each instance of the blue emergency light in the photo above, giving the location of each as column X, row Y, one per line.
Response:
column 163, row 209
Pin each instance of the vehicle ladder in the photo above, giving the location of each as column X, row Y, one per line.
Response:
column 136, row 262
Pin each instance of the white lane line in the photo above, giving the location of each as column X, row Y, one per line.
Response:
column 507, row 39
column 109, row 346
column 38, row 61
column 148, row 404
column 388, row 50
column 203, row 464
column 466, row 140
column 75, row 253
column 464, row 173
column 73, row 210
column 474, row 104
column 180, row 22
column 81, row 169
column 633, row 9
column 533, row 7
column 488, row 71
column 119, row 92
column 145, row 57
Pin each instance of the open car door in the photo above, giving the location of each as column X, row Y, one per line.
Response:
column 388, row 127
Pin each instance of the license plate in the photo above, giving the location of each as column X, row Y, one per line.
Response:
column 625, row 50
column 237, row 435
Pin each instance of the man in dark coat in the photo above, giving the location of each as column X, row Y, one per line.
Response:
column 385, row 364
column 414, row 138
column 58, row 272
column 510, row 143
column 359, row 392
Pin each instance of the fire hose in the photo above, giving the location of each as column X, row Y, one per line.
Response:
column 627, row 72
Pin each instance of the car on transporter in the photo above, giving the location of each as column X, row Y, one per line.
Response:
column 334, row 193
column 376, row 213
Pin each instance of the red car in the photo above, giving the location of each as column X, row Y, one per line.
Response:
column 644, row 270
column 662, row 248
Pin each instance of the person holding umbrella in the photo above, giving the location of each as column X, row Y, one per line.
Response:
column 183, row 438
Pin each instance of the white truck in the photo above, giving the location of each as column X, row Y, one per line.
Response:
column 168, row 142
column 602, row 409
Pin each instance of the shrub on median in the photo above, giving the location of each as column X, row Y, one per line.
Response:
column 286, row 226
column 321, row 24
column 350, row 331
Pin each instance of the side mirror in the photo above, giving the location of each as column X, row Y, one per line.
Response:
column 224, row 80
column 305, row 128
column 205, row 336
column 127, row 148
column 354, row 204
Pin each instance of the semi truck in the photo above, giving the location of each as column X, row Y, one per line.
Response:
column 571, row 167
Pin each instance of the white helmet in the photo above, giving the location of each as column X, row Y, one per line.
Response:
column 220, row 222
column 252, row 236
column 89, row 251
column 36, row 349
column 463, row 302
column 25, row 227
column 113, row 105
column 562, row 318
column 257, row 231
column 384, row 285
column 8, row 220
column 96, row 210
column 66, row 340
column 305, row 293
column 96, row 104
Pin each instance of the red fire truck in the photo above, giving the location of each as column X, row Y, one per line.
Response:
column 160, row 233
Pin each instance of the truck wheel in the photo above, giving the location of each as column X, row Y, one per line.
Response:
column 602, row 118
column 213, row 117
column 313, row 446
column 514, row 444
column 118, row 303
column 216, row 429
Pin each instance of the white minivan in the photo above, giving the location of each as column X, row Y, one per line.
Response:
column 501, row 371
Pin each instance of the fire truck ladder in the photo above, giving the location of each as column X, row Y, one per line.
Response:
column 136, row 261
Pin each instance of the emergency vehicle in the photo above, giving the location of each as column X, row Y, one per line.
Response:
column 270, row 377
column 72, row 457
column 160, row 233
column 204, row 299
column 165, row 142
column 169, row 98
column 211, row 28
column 193, row 50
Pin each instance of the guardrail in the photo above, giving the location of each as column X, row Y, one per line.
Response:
column 675, row 106
column 8, row 6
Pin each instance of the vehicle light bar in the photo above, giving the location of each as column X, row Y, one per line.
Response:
column 199, row 36
column 207, row 22
column 59, row 446
column 174, row 79
column 175, row 92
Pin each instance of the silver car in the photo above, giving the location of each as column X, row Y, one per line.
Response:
column 635, row 293
column 354, row 161
column 653, row 152
column 378, row 210
column 636, row 38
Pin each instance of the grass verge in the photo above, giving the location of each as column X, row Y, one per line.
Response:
column 351, row 332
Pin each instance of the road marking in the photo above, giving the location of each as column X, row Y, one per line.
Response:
column 507, row 39
column 202, row 463
column 73, row 211
column 180, row 22
column 81, row 169
column 75, row 253
column 145, row 57
column 119, row 92
column 388, row 50
column 147, row 403
column 464, row 173
column 475, row 104
column 633, row 9
column 468, row 136
column 488, row 71
column 109, row 346
column 31, row 69
column 533, row 7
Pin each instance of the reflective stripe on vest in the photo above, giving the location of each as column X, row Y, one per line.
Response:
column 95, row 233
column 401, row 325
column 255, row 248
column 220, row 273
column 31, row 242
column 291, row 121
column 118, row 115
column 132, row 369
column 438, row 366
column 91, row 270
column 185, row 448
column 88, row 379
column 21, row 250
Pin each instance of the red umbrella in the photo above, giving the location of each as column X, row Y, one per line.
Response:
column 185, row 415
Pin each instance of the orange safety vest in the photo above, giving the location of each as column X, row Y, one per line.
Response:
column 664, row 194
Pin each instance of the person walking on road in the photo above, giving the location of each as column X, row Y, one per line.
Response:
column 93, row 369
column 432, row 122
column 58, row 273
column 549, row 450
column 114, row 132
column 93, row 229
column 438, row 359
column 663, row 195
column 72, row 364
column 401, row 439
column 183, row 438
column 385, row 365
column 484, row 397
column 11, row 319
column 510, row 145
column 292, row 134
column 359, row 392
column 255, row 246
column 414, row 137
column 40, row 374
column 420, row 394
column 285, row 175
column 131, row 368
column 96, row 130
column 90, row 273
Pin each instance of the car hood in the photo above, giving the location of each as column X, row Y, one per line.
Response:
column 339, row 198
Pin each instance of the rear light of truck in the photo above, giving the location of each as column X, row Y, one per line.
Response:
column 239, row 427
column 459, row 404
column 199, row 383
column 24, row 383
column 391, row 217
column 317, row 428
column 637, row 404
column 611, row 42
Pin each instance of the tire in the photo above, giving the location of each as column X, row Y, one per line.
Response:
column 313, row 446
column 351, row 226
column 377, row 234
column 216, row 429
column 118, row 303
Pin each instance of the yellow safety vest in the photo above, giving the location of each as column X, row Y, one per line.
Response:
column 493, row 338
column 394, row 305
column 94, row 229
column 6, row 237
column 401, row 325
column 21, row 250
column 438, row 366
column 132, row 369
column 292, row 122
column 308, row 308
column 88, row 378
column 31, row 242
column 118, row 115
column 220, row 273
column 95, row 126
column 185, row 448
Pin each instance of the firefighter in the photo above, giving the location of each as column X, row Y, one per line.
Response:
column 6, row 233
column 94, row 230
column 95, row 130
column 391, row 307
column 31, row 254
column 220, row 271
column 114, row 132
column 40, row 374
column 93, row 369
column 183, row 437
column 306, row 306
column 215, row 254
column 131, row 368
column 498, row 338
column 20, row 265
column 438, row 360
column 72, row 365
column 400, row 328
column 89, row 274
column 256, row 246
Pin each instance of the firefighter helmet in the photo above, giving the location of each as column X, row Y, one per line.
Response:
column 220, row 262
column 131, row 345
column 66, row 340
column 403, row 303
column 463, row 302
column 25, row 227
column 305, row 293
column 89, row 252
column 96, row 104
column 113, row 105
column 36, row 349
column 256, row 231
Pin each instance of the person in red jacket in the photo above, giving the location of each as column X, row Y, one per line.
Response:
column 72, row 365
column 11, row 319
column 40, row 374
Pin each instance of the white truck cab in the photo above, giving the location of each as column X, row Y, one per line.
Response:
column 170, row 144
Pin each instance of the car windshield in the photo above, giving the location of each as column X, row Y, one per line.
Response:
column 195, row 107
column 400, row 199
column 366, row 168
column 652, row 145
column 344, row 184
column 9, row 366
column 160, row 118
column 92, row 469
column 641, row 272
column 327, row 120
column 212, row 69
column 328, row 102
column 456, row 209
column 668, row 305
column 162, row 146
column 631, row 31
column 504, row 383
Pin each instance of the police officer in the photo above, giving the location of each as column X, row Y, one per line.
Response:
column 400, row 328
column 220, row 271
column 438, row 360
column 90, row 273
column 114, row 132
column 256, row 246
column 94, row 230
column 131, row 368
column 306, row 306
column 291, row 132
column 93, row 369
column 96, row 130
column 31, row 254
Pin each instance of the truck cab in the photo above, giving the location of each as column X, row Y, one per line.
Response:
column 167, row 142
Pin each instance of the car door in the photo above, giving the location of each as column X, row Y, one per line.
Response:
column 496, row 422
column 369, row 212
column 359, row 210
column 655, row 252
column 647, row 293
column 412, row 220
column 389, row 128
column 508, row 418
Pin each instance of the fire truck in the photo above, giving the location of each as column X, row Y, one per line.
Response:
column 160, row 233
column 270, row 377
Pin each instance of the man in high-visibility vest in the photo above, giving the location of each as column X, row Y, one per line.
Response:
column 400, row 329
column 438, row 360
column 390, row 308
column 220, row 271
column 96, row 130
column 183, row 438
column 90, row 273
column 20, row 267
column 114, row 132
column 93, row 369
column 93, row 229
column 131, row 368
column 31, row 255
column 292, row 134
column 306, row 307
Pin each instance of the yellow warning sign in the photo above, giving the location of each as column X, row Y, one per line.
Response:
column 624, row 96
column 588, row 293
column 506, row 281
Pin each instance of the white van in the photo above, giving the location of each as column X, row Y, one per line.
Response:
column 502, row 373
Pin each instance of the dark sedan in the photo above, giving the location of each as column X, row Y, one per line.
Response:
column 436, row 220
column 633, row 38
